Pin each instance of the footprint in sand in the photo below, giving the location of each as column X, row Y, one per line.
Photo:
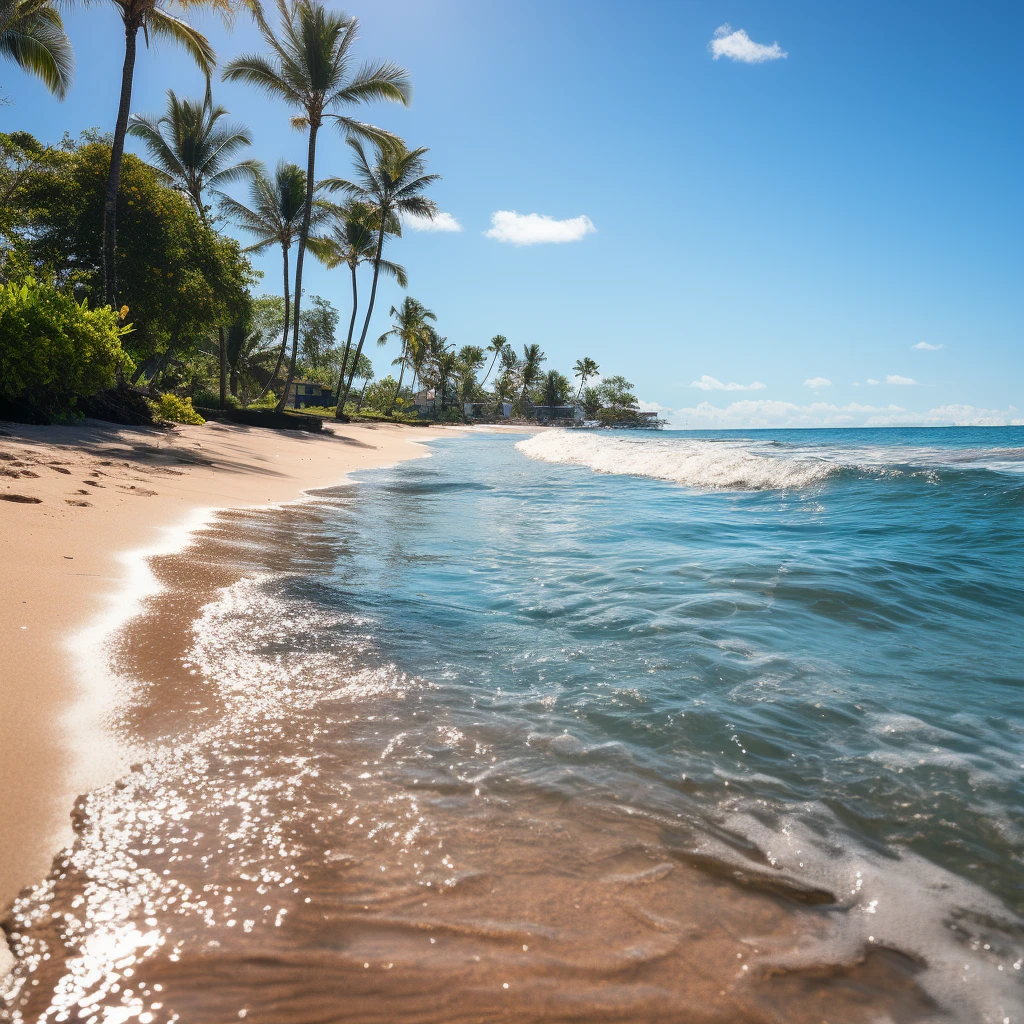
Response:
column 79, row 502
column 24, row 498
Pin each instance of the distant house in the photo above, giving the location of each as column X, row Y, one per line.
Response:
column 487, row 410
column 304, row 393
column 557, row 413
column 424, row 402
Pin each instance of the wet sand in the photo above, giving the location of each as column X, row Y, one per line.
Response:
column 306, row 837
column 76, row 501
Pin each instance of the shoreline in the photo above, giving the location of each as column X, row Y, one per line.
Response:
column 77, row 568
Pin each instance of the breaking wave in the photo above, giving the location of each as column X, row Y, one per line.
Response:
column 745, row 464
column 713, row 465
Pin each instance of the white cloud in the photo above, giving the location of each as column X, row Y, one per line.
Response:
column 441, row 222
column 923, row 346
column 739, row 46
column 533, row 228
column 895, row 378
column 817, row 382
column 751, row 413
column 707, row 383
column 871, row 380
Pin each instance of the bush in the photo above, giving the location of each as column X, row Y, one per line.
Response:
column 381, row 395
column 177, row 410
column 54, row 350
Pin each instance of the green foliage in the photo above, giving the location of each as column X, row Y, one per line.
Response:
column 591, row 403
column 177, row 410
column 617, row 393
column 319, row 357
column 54, row 349
column 381, row 394
column 178, row 277
column 555, row 389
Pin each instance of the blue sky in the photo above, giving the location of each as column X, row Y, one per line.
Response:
column 799, row 222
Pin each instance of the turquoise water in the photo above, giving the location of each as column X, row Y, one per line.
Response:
column 630, row 727
column 848, row 651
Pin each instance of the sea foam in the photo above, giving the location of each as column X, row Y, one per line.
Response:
column 711, row 465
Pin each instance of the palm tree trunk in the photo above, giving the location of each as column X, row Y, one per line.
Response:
column 284, row 337
column 362, row 394
column 223, row 369
column 489, row 368
column 131, row 31
column 303, row 235
column 340, row 410
column 401, row 374
column 369, row 308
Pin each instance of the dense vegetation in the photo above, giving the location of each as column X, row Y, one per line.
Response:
column 123, row 270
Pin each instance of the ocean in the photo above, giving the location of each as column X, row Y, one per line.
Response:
column 628, row 726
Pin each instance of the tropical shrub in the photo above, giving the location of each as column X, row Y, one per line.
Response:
column 381, row 394
column 177, row 410
column 54, row 349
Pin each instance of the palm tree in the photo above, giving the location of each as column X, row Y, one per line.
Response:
column 310, row 68
column 247, row 351
column 471, row 358
column 585, row 368
column 273, row 215
column 410, row 327
column 530, row 369
column 390, row 188
column 351, row 242
column 189, row 150
column 557, row 390
column 153, row 17
column 445, row 368
column 498, row 342
column 32, row 36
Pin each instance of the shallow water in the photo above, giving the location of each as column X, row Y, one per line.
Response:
column 578, row 727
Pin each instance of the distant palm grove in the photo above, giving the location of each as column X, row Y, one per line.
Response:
column 127, row 291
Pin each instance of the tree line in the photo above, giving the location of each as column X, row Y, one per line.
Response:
column 147, row 238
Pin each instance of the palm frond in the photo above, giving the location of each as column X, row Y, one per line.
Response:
column 261, row 73
column 382, row 80
column 35, row 40
column 175, row 30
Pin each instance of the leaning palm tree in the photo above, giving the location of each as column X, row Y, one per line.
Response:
column 498, row 342
column 351, row 242
column 274, row 215
column 32, row 36
column 584, row 369
column 154, row 19
column 391, row 188
column 190, row 150
column 410, row 328
column 310, row 68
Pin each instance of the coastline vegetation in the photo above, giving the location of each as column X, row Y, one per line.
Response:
column 121, row 274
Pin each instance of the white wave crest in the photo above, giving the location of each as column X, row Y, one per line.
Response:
column 711, row 465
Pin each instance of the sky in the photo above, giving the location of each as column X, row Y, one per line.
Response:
column 787, row 214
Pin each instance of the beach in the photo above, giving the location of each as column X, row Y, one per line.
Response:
column 71, row 562
column 562, row 726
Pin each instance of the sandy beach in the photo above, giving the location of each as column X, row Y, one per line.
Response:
column 96, row 494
